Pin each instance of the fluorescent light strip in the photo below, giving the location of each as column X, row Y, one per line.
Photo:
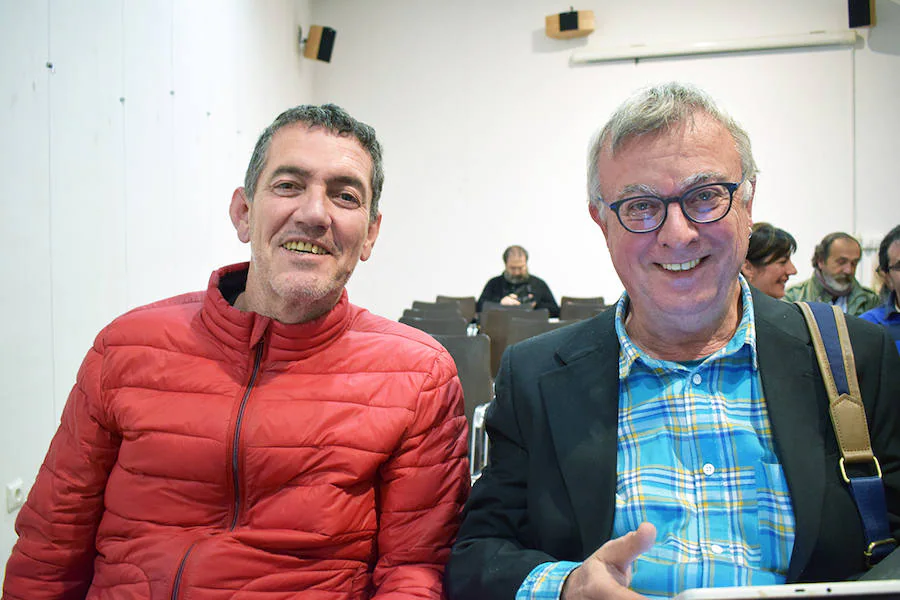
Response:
column 596, row 54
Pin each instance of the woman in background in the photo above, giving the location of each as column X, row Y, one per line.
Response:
column 768, row 265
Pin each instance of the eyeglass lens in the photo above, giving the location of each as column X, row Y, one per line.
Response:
column 703, row 204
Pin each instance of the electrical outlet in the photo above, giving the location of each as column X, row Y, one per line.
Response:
column 15, row 495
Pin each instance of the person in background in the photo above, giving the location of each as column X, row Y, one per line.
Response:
column 516, row 286
column 888, row 314
column 833, row 280
column 681, row 440
column 264, row 438
column 768, row 265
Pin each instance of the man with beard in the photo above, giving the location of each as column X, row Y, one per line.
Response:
column 516, row 286
column 833, row 281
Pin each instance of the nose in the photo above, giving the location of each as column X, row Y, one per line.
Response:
column 789, row 267
column 677, row 230
column 311, row 210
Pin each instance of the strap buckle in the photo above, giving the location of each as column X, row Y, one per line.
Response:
column 847, row 479
column 870, row 551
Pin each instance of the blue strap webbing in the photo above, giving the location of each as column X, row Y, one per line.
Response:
column 828, row 329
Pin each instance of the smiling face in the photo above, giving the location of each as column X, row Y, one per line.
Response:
column 308, row 224
column 683, row 275
column 770, row 278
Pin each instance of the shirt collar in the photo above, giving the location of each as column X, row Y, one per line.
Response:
column 744, row 335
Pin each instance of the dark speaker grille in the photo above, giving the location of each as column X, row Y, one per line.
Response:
column 568, row 21
column 860, row 13
column 327, row 44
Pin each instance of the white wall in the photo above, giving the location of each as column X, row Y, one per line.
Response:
column 118, row 166
column 486, row 125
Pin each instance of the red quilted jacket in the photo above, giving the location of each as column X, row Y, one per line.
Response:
column 207, row 453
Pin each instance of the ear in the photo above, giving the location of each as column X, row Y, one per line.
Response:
column 750, row 192
column 747, row 270
column 240, row 214
column 371, row 236
column 595, row 215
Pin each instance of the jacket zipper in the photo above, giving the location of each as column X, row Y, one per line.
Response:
column 178, row 573
column 234, row 466
column 237, row 435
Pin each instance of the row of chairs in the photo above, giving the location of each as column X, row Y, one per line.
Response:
column 478, row 349
column 442, row 315
column 448, row 315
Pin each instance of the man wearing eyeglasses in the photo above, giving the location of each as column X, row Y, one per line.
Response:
column 888, row 314
column 681, row 440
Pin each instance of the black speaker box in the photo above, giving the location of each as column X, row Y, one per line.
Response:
column 320, row 43
column 861, row 12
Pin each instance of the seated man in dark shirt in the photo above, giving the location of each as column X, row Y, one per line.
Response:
column 516, row 286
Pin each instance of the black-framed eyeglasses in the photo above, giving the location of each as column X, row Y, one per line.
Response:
column 894, row 267
column 706, row 203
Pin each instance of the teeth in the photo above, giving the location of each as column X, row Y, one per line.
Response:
column 680, row 266
column 304, row 247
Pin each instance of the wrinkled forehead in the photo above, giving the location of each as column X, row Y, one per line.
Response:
column 317, row 145
column 844, row 248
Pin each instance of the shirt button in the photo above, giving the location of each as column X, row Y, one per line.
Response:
column 717, row 549
column 697, row 379
column 708, row 469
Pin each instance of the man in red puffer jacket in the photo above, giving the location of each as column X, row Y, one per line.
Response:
column 264, row 439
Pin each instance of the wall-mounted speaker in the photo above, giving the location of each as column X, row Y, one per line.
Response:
column 568, row 25
column 319, row 43
column 861, row 13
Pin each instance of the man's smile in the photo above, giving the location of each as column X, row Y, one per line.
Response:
column 685, row 266
column 304, row 247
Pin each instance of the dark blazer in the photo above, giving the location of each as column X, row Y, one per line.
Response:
column 549, row 493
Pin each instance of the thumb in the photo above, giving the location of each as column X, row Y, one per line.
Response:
column 622, row 551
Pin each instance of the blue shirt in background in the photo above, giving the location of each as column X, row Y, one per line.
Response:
column 887, row 316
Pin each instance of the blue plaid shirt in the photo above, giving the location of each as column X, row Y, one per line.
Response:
column 695, row 458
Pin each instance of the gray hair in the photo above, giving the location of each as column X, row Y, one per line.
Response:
column 332, row 118
column 655, row 109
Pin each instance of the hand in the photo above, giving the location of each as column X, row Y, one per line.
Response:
column 510, row 300
column 606, row 573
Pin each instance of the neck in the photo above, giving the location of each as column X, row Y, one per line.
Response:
column 300, row 308
column 680, row 339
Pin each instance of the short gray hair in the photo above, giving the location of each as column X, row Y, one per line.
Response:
column 332, row 118
column 659, row 108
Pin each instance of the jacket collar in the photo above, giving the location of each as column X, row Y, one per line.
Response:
column 242, row 331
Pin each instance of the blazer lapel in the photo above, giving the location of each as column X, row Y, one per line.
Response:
column 581, row 400
column 789, row 385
